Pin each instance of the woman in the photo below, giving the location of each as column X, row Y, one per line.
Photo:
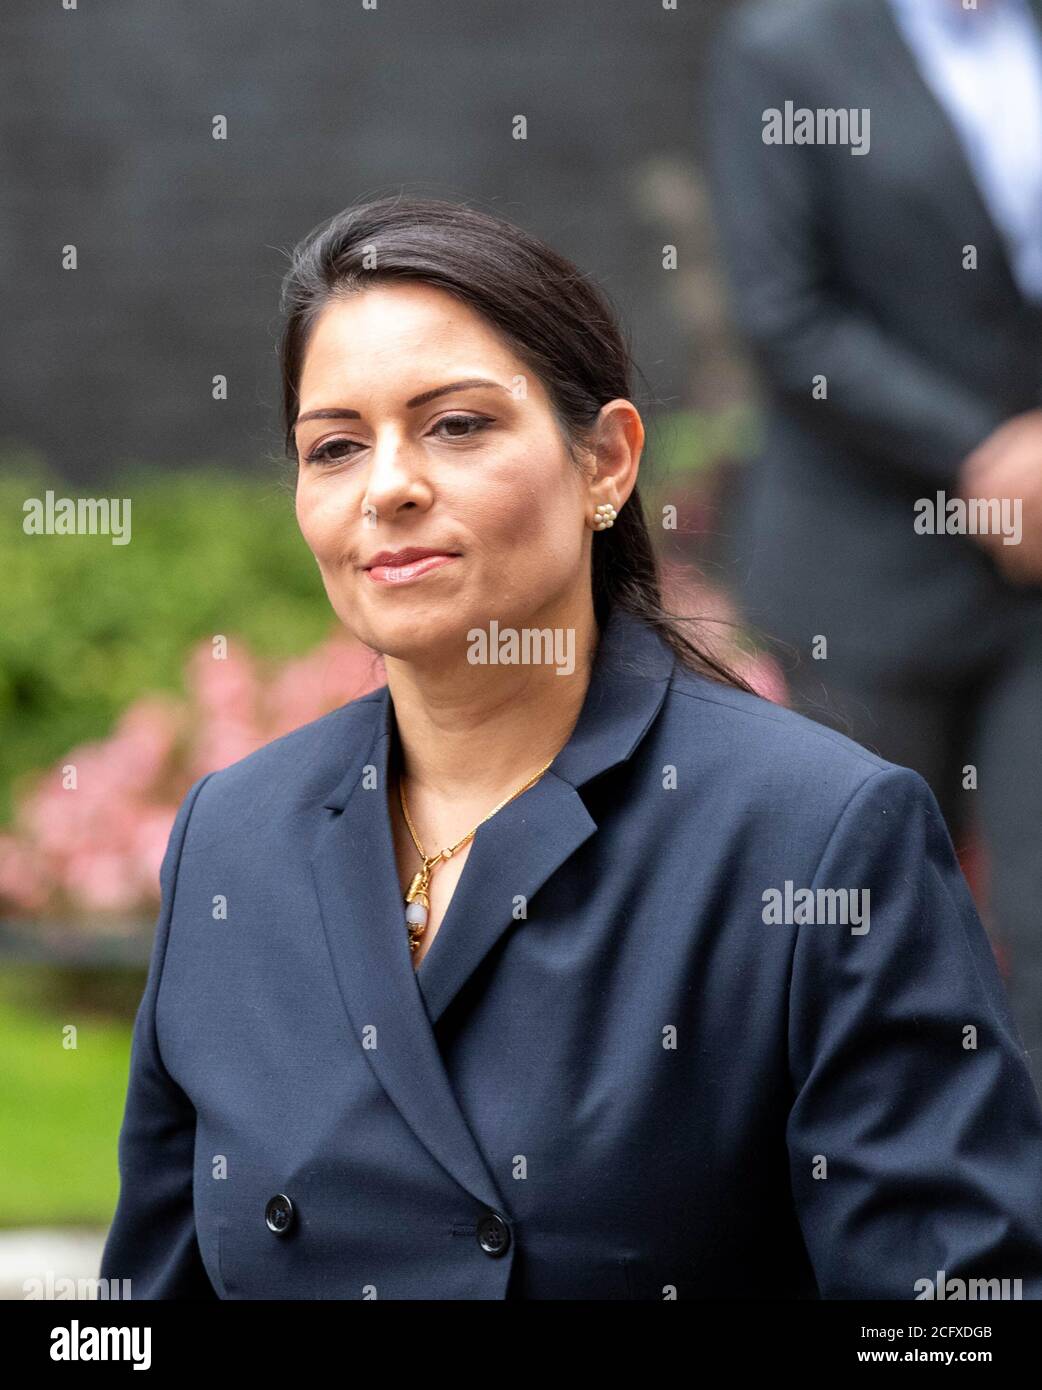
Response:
column 551, row 969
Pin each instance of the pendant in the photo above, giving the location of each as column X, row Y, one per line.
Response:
column 417, row 908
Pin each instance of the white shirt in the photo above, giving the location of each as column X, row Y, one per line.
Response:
column 985, row 67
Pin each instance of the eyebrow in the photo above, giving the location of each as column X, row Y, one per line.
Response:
column 341, row 413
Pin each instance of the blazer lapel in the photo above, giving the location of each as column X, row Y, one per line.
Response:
column 356, row 882
column 515, row 853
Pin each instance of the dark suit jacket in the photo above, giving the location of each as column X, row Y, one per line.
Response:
column 851, row 266
column 609, row 1075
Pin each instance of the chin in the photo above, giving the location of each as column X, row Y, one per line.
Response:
column 415, row 636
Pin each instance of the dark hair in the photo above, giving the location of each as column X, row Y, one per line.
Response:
column 555, row 320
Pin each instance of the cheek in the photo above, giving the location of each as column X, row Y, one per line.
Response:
column 303, row 511
column 322, row 521
column 525, row 508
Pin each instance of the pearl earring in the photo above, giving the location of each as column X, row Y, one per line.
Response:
column 604, row 516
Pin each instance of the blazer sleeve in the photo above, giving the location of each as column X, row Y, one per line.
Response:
column 152, row 1239
column 915, row 1134
column 771, row 209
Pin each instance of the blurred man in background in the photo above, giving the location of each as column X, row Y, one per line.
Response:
column 877, row 178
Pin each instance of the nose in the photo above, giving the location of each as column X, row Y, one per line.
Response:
column 397, row 478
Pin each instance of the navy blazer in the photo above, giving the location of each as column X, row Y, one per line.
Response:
column 616, row 1074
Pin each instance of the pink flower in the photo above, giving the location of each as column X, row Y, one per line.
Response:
column 151, row 835
column 338, row 671
column 101, row 881
column 22, row 877
column 223, row 685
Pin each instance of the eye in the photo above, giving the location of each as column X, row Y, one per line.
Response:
column 323, row 454
column 473, row 423
column 478, row 422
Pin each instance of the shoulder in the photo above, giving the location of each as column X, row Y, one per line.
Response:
column 767, row 756
column 763, row 726
column 780, row 788
column 276, row 780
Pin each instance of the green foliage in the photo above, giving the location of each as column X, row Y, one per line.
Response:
column 686, row 443
column 85, row 625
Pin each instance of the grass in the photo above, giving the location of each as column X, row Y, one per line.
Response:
column 60, row 1106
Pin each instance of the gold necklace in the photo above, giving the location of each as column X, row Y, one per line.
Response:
column 417, row 901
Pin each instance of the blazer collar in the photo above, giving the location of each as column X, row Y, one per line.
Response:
column 621, row 700
column 511, row 857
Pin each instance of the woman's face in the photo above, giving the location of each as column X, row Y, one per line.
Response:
column 479, row 472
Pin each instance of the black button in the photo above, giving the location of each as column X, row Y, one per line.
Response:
column 279, row 1214
column 493, row 1234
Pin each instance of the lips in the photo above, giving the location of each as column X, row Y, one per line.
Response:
column 407, row 566
column 395, row 559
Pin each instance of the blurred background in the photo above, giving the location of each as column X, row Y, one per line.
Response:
column 108, row 374
column 142, row 265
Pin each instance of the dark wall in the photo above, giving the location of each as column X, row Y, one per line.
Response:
column 106, row 133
